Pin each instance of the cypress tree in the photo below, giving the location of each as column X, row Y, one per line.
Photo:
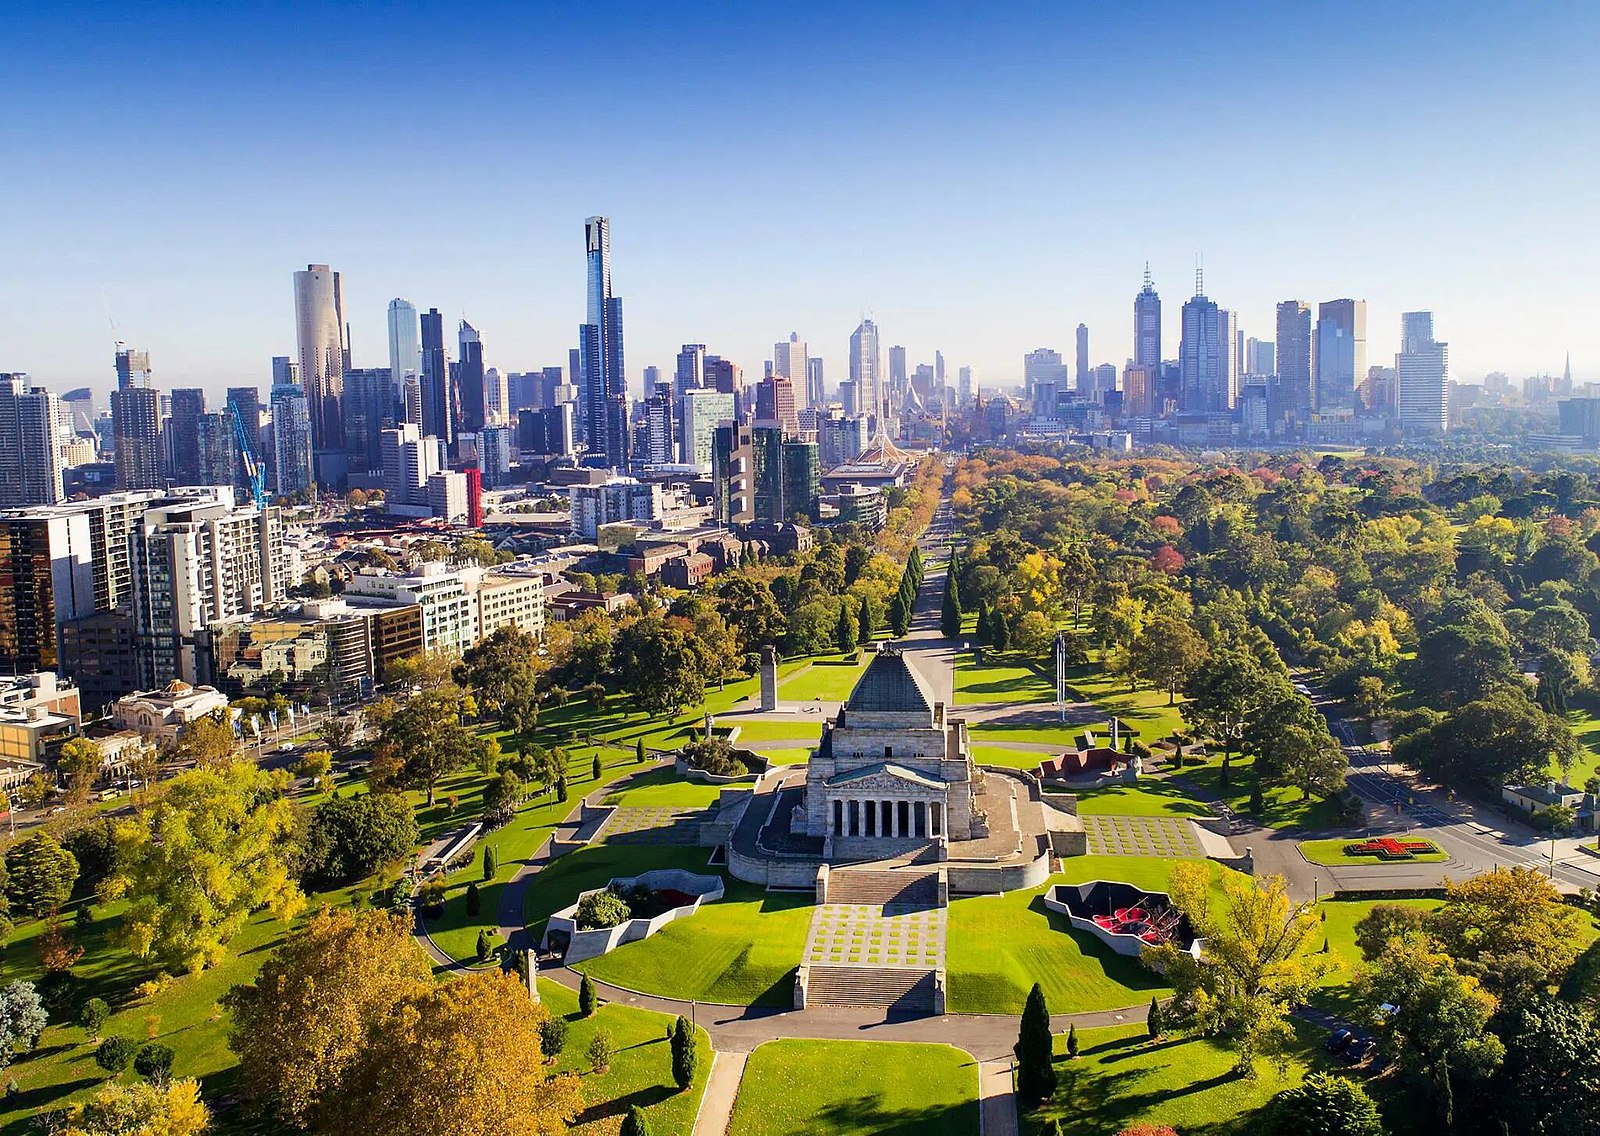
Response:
column 491, row 862
column 638, row 752
column 595, row 768
column 485, row 944
column 586, row 997
column 1154, row 1023
column 1036, row 1076
column 865, row 624
column 899, row 617
column 1072, row 1042
column 950, row 614
column 634, row 1124
column 474, row 905
column 1001, row 631
column 845, row 631
column 684, row 1055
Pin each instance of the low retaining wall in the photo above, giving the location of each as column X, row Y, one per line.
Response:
column 768, row 871
column 1115, row 893
column 582, row 945
column 682, row 769
column 992, row 879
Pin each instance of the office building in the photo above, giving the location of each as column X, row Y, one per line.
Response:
column 1043, row 365
column 1147, row 324
column 1341, row 356
column 1260, row 358
column 1422, row 374
column 964, row 386
column 438, row 408
column 691, row 371
column 447, row 496
column 449, row 621
column 133, row 368
column 46, row 579
column 494, row 455
column 841, row 439
column 1207, row 381
column 405, row 344
column 369, row 409
column 216, row 452
column 897, row 375
column 816, row 390
column 496, row 396
column 1139, row 383
column 660, row 440
column 188, row 405
column 136, row 429
column 32, row 454
column 552, row 431
column 470, row 397
column 292, row 470
column 775, row 402
column 319, row 335
column 410, row 458
column 1296, row 392
column 789, row 360
column 726, row 376
column 617, row 499
column 1083, row 378
column 702, row 411
column 604, row 403
column 866, row 369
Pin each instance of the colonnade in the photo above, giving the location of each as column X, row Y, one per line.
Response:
column 887, row 817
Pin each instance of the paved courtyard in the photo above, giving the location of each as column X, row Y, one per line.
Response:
column 651, row 826
column 1141, row 836
column 865, row 934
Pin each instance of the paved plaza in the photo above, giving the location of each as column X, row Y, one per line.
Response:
column 651, row 826
column 1141, row 836
column 865, row 934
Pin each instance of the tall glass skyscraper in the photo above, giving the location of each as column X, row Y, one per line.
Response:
column 1147, row 325
column 319, row 333
column 470, row 402
column 405, row 348
column 1206, row 377
column 1422, row 373
column 866, row 369
column 604, row 400
column 1295, row 392
column 1341, row 356
column 438, row 412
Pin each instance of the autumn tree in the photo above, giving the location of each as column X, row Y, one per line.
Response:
column 1166, row 653
column 216, row 848
column 1510, row 928
column 208, row 742
column 78, row 765
column 1259, row 960
column 300, row 1027
column 172, row 1108
column 479, row 1036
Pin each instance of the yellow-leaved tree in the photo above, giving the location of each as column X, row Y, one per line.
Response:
column 172, row 1109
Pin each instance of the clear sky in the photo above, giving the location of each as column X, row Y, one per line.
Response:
column 979, row 178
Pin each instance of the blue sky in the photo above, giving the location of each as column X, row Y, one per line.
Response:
column 977, row 178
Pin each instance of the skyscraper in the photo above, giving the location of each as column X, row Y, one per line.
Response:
column 604, row 402
column 369, row 409
column 1422, row 372
column 789, row 360
column 133, row 368
column 405, row 347
column 188, row 405
column 1341, row 359
column 438, row 411
column 691, row 373
column 319, row 334
column 1205, row 374
column 1296, row 394
column 136, row 423
column 816, row 390
column 1043, row 365
column 897, row 375
column 31, row 440
column 866, row 368
column 470, row 396
column 1260, row 357
column 291, row 439
column 1147, row 325
column 1084, row 380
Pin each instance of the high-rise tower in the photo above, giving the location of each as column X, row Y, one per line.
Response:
column 1147, row 325
column 438, row 408
column 866, row 368
column 31, row 439
column 136, row 423
column 1085, row 379
column 319, row 334
column 1422, row 372
column 1341, row 355
column 405, row 348
column 1296, row 394
column 604, row 398
column 469, row 385
column 1206, row 377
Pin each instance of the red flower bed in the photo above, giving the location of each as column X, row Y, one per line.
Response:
column 1390, row 848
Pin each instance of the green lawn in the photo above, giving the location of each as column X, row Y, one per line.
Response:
column 1120, row 1078
column 1000, row 682
column 664, row 789
column 1583, row 715
column 1144, row 709
column 1339, row 918
column 640, row 1073
column 807, row 728
column 1147, row 798
column 1331, row 853
column 999, row 946
column 827, row 680
column 1052, row 733
column 1285, row 807
column 1009, row 758
column 844, row 1088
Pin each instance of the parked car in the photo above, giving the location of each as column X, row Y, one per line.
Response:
column 1359, row 1050
column 1338, row 1040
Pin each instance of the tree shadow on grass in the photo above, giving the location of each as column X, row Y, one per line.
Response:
column 869, row 1114
column 645, row 1098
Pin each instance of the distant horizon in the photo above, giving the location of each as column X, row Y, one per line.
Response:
column 978, row 182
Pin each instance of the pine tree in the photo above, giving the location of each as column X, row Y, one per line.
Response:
column 474, row 904
column 899, row 617
column 950, row 614
column 684, row 1053
column 485, row 944
column 1000, row 631
column 595, row 767
column 634, row 1124
column 586, row 997
column 1036, row 1076
column 1072, row 1042
column 491, row 862
column 1155, row 1023
column 845, row 631
column 638, row 752
column 864, row 621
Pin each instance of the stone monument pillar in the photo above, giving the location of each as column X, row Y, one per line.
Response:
column 769, row 678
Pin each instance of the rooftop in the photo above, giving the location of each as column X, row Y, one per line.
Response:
column 890, row 685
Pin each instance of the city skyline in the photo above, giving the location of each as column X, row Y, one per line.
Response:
column 188, row 260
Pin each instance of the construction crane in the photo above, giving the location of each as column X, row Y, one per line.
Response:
column 247, row 456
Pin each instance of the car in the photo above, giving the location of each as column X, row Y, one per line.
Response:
column 1338, row 1040
column 1302, row 688
column 1359, row 1050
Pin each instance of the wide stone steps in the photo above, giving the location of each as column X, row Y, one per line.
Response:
column 854, row 885
column 902, row 988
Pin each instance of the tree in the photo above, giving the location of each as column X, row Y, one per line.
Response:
column 638, row 752
column 751, row 612
column 1034, row 636
column 349, row 837
column 337, row 731
column 586, row 997
column 950, row 612
column 78, row 765
column 552, row 1036
column 503, row 669
column 685, row 1053
column 1306, row 758
column 22, row 1019
column 845, row 631
column 484, row 945
column 1324, row 1105
column 594, row 767
column 426, row 738
column 314, row 764
column 634, row 1124
column 153, row 1062
column 491, row 862
column 474, row 903
column 1385, row 922
column 39, row 875
column 600, row 1051
column 1508, row 928
column 113, row 1054
column 301, row 1026
column 1439, row 1026
column 1154, row 1024
column 479, row 1036
column 1549, row 1082
column 867, row 623
column 501, row 796
column 1371, row 696
column 1036, row 1076
column 168, row 1109
column 660, row 665
column 1072, row 1042
column 212, row 851
column 94, row 1015
column 1225, row 690
column 208, row 742
column 899, row 615
column 1166, row 653
column 1485, row 744
column 1259, row 960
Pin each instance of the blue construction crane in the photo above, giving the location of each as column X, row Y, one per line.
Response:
column 247, row 455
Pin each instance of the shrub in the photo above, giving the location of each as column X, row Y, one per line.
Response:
column 485, row 944
column 602, row 909
column 94, row 1015
column 474, row 903
column 113, row 1054
column 1072, row 1042
column 684, row 1053
column 714, row 756
column 634, row 1124
column 552, row 1036
column 153, row 1062
column 600, row 1051
column 1155, row 1024
column 586, row 997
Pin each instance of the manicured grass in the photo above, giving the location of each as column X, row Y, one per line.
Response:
column 1121, row 1078
column 1009, row 758
column 1000, row 682
column 1147, row 798
column 806, row 728
column 1284, row 807
column 1050, row 733
column 1339, row 918
column 640, row 1072
column 1331, row 853
column 796, row 1088
column 779, row 754
column 999, row 946
column 1583, row 715
column 827, row 680
column 1146, row 710
column 664, row 789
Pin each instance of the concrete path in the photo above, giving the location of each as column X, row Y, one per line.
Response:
column 722, row 1087
column 997, row 1104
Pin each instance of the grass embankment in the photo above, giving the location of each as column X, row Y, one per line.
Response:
column 846, row 1088
column 827, row 679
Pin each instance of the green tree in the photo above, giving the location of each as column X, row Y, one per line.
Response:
column 1166, row 653
column 634, row 1124
column 94, row 1015
column 845, row 631
column 153, row 1062
column 1155, row 1025
column 485, row 944
column 1488, row 743
column 587, row 998
column 685, row 1053
column 600, row 1051
column 638, row 752
column 899, row 615
column 866, row 623
column 660, row 665
column 501, row 796
column 1072, row 1042
column 22, row 1019
column 491, row 862
column 114, row 1054
column 350, row 837
column 1324, row 1105
column 1224, row 691
column 1549, row 1082
column 216, row 848
column 552, row 1036
column 425, row 739
column 473, row 901
column 594, row 768
column 207, row 742
column 950, row 612
column 1036, row 1075
column 39, row 875
column 78, row 765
